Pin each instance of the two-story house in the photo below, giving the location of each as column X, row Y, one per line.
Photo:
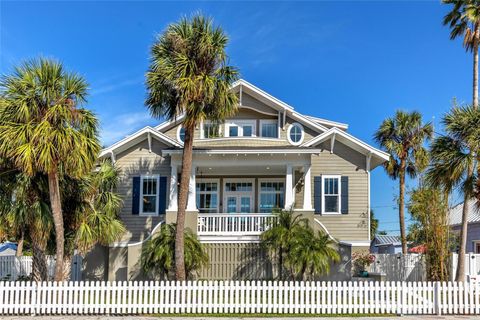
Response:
column 266, row 156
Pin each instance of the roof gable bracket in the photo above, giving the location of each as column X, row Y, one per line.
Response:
column 241, row 94
column 149, row 137
column 112, row 157
column 369, row 158
column 284, row 120
column 332, row 142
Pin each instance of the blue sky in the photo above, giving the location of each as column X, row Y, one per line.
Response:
column 353, row 62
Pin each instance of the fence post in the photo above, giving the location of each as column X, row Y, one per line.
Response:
column 33, row 309
column 437, row 299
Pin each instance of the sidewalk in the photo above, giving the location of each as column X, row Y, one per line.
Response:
column 230, row 318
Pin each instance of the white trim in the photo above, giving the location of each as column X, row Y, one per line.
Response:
column 126, row 244
column 243, row 83
column 256, row 110
column 320, row 138
column 180, row 127
column 173, row 194
column 239, row 193
column 139, row 133
column 168, row 123
column 232, row 239
column 157, row 195
column 359, row 243
column 268, row 121
column 256, row 138
column 240, row 124
column 332, row 176
column 260, row 180
column 325, row 229
column 246, row 151
column 192, row 190
column 307, row 187
column 302, row 131
column 203, row 180
column 328, row 122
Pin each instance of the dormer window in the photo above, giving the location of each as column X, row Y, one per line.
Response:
column 240, row 128
column 211, row 130
column 181, row 134
column 269, row 128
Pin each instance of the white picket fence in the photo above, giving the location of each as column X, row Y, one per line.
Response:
column 239, row 297
column 12, row 267
column 472, row 266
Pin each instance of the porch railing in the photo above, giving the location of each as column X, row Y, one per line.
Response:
column 234, row 224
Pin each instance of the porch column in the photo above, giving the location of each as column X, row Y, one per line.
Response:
column 307, row 188
column 173, row 200
column 289, row 187
column 192, row 197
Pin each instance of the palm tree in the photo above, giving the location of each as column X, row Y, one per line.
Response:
column 91, row 208
column 403, row 136
column 312, row 253
column 43, row 129
column 24, row 208
column 279, row 238
column 464, row 20
column 158, row 254
column 453, row 159
column 189, row 75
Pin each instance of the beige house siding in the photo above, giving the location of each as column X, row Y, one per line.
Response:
column 346, row 162
column 236, row 261
column 137, row 161
column 246, row 142
column 251, row 102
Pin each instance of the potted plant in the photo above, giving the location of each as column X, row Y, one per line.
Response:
column 361, row 261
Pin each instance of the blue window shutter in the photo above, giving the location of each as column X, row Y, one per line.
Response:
column 317, row 194
column 162, row 204
column 344, row 186
column 136, row 195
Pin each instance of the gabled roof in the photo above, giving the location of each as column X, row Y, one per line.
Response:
column 328, row 123
column 378, row 156
column 455, row 213
column 140, row 135
column 8, row 245
column 384, row 240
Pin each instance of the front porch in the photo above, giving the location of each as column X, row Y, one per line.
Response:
column 234, row 195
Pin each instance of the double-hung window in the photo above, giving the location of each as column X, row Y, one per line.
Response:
column 272, row 195
column 240, row 128
column 331, row 191
column 149, row 191
column 269, row 128
column 207, row 196
column 211, row 130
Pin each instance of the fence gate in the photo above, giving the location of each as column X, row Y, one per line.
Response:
column 400, row 267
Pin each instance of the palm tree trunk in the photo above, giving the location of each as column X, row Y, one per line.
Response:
column 39, row 263
column 182, row 203
column 463, row 232
column 280, row 264
column 475, row 67
column 55, row 202
column 20, row 242
column 401, row 207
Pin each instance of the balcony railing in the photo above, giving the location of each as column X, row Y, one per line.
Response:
column 234, row 223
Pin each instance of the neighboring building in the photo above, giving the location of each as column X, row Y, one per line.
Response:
column 473, row 229
column 386, row 244
column 266, row 156
column 8, row 249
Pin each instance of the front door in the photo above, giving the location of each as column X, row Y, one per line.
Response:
column 238, row 196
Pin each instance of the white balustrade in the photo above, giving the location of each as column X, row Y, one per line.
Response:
column 234, row 224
